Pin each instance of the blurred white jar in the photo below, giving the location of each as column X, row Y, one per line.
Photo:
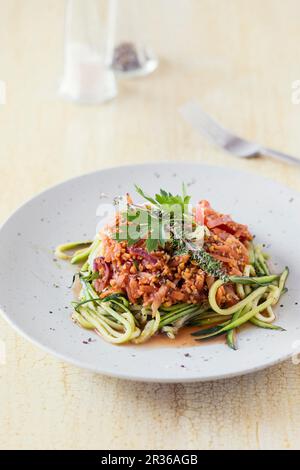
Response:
column 88, row 51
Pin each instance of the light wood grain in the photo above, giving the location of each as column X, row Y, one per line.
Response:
column 239, row 58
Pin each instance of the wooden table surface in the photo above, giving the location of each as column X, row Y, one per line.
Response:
column 239, row 58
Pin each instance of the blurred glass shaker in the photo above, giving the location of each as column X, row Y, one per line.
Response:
column 132, row 55
column 89, row 42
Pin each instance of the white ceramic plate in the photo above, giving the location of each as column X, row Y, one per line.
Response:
column 35, row 291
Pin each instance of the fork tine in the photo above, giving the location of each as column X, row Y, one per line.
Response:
column 201, row 121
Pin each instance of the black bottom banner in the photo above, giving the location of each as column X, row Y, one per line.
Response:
column 132, row 459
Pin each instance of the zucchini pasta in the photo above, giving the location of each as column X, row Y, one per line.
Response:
column 164, row 265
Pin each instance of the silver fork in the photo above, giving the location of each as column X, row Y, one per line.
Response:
column 225, row 139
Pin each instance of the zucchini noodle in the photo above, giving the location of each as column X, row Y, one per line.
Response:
column 118, row 321
column 78, row 256
column 231, row 310
column 250, row 308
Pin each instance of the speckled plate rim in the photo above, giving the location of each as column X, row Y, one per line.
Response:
column 123, row 375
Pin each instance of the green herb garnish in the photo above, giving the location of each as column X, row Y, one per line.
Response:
column 167, row 221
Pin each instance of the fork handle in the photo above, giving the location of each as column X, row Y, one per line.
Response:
column 283, row 157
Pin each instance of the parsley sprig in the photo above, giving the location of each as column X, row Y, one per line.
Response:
column 170, row 217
